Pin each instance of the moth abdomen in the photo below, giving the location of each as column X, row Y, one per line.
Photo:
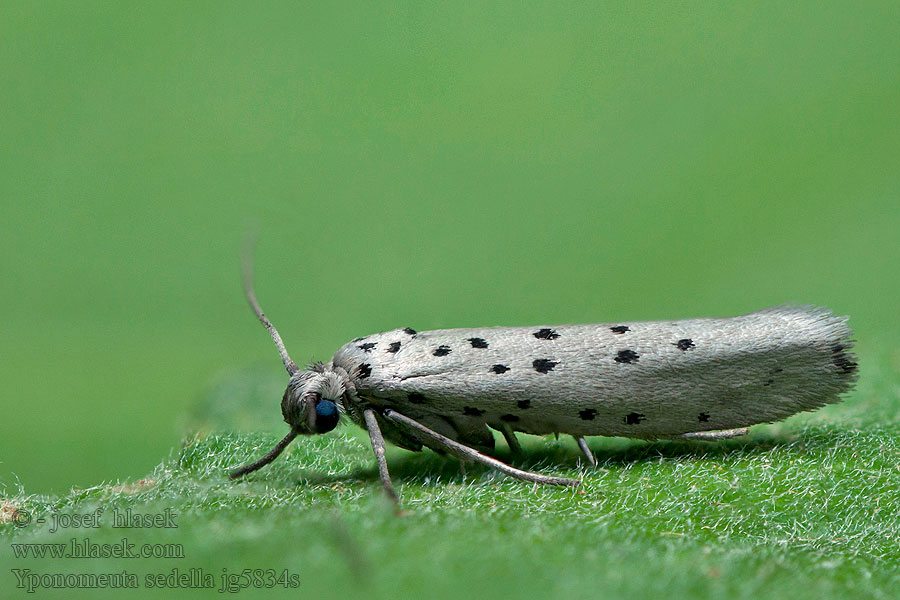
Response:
column 636, row 379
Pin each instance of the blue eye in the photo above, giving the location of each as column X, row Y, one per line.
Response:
column 326, row 408
column 326, row 416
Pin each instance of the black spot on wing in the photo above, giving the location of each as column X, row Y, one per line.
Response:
column 685, row 344
column 842, row 360
column 394, row 347
column 703, row 417
column 478, row 342
column 546, row 334
column 354, row 340
column 367, row 347
column 409, row 331
column 472, row 411
column 627, row 356
column 365, row 370
column 509, row 418
column 441, row 350
column 523, row 404
column 499, row 369
column 416, row 398
column 619, row 329
column 588, row 414
column 634, row 418
column 544, row 365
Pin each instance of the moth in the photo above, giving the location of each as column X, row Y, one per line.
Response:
column 705, row 379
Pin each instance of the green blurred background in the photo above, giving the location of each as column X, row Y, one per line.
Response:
column 412, row 164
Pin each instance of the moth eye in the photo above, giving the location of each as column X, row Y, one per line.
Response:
column 326, row 416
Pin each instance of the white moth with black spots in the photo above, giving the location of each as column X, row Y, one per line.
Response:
column 446, row 389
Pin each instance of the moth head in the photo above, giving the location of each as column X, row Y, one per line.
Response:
column 311, row 400
column 309, row 405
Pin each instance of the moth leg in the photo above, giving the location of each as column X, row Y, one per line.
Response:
column 711, row 436
column 378, row 447
column 582, row 443
column 466, row 453
column 511, row 440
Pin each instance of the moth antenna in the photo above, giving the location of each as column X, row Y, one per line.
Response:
column 247, row 264
column 272, row 455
